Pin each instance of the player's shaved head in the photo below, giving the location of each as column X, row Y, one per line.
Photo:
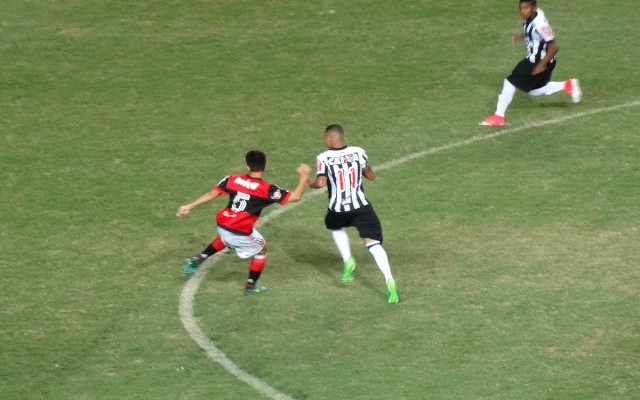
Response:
column 334, row 136
column 335, row 128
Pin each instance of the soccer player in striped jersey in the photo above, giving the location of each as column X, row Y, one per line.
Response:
column 248, row 195
column 533, row 74
column 341, row 168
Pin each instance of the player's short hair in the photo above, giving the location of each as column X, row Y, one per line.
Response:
column 256, row 160
column 334, row 128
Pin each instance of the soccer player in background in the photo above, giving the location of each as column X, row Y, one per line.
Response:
column 248, row 195
column 342, row 167
column 533, row 74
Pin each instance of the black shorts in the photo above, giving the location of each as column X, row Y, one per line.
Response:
column 522, row 79
column 364, row 220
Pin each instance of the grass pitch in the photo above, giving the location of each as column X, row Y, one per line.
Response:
column 516, row 257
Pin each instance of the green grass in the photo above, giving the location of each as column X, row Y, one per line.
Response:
column 516, row 256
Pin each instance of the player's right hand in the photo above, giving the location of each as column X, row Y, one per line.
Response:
column 182, row 211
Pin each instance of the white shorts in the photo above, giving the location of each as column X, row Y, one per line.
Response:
column 246, row 246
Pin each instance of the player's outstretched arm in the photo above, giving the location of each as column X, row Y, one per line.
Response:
column 541, row 66
column 319, row 182
column 303, row 172
column 210, row 195
column 368, row 173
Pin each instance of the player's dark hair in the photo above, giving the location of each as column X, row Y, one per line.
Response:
column 256, row 160
column 334, row 127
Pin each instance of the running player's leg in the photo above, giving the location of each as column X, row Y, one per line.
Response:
column 382, row 261
column 194, row 262
column 549, row 88
column 519, row 79
column 256, row 265
column 505, row 98
column 251, row 246
column 380, row 256
column 542, row 85
column 370, row 229
column 336, row 223
column 341, row 239
column 570, row 87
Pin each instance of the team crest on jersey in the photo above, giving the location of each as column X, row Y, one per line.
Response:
column 277, row 195
column 546, row 31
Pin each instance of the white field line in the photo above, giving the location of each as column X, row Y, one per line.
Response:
column 187, row 296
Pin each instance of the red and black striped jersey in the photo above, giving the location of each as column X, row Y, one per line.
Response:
column 247, row 197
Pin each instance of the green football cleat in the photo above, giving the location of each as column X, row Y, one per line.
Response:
column 347, row 272
column 393, row 295
column 191, row 265
column 254, row 289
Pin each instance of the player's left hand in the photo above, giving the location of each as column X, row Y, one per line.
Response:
column 303, row 170
column 540, row 67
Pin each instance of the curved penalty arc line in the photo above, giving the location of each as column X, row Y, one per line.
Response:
column 187, row 295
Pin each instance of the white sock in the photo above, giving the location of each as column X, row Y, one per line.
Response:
column 549, row 88
column 505, row 98
column 341, row 239
column 380, row 256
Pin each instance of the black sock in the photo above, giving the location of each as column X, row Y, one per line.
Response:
column 209, row 251
column 253, row 277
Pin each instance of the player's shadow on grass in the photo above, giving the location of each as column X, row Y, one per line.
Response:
column 319, row 252
column 227, row 268
column 316, row 255
column 221, row 268
column 541, row 102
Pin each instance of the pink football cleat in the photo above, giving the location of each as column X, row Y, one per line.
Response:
column 572, row 87
column 494, row 120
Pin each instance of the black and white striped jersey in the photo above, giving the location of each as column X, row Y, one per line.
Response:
column 343, row 169
column 537, row 35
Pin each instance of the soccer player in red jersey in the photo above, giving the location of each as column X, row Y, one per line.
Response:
column 248, row 195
